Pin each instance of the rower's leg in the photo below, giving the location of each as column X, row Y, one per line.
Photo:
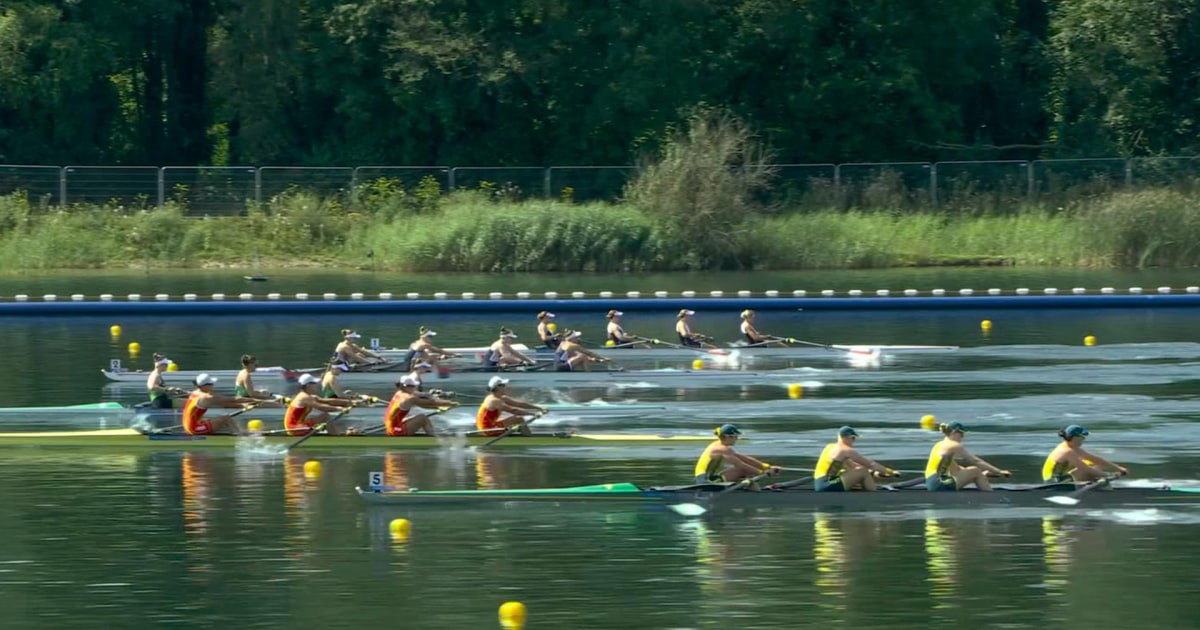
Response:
column 517, row 421
column 1086, row 475
column 858, row 478
column 420, row 424
column 972, row 475
column 226, row 425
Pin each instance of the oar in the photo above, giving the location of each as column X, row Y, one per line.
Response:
column 318, row 429
column 694, row 509
column 659, row 342
column 232, row 415
column 510, row 431
column 1073, row 498
column 379, row 427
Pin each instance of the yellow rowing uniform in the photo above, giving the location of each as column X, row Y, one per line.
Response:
column 827, row 475
column 1056, row 472
column 937, row 470
column 708, row 467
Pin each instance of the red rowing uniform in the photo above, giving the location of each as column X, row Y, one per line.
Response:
column 393, row 416
column 296, row 421
column 488, row 420
column 193, row 417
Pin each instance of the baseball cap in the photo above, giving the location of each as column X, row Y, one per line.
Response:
column 306, row 379
column 546, row 315
column 408, row 381
column 955, row 426
column 685, row 311
column 203, row 379
column 425, row 332
column 352, row 335
column 504, row 332
column 614, row 313
column 496, row 381
column 163, row 361
column 847, row 432
column 1075, row 431
column 728, row 429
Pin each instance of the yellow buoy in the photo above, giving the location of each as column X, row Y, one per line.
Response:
column 312, row 469
column 795, row 390
column 114, row 330
column 172, row 367
column 928, row 422
column 698, row 364
column 1089, row 340
column 400, row 528
column 254, row 425
column 610, row 343
column 135, row 348
column 552, row 327
column 512, row 615
column 986, row 324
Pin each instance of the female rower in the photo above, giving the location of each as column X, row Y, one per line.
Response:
column 840, row 467
column 350, row 353
column 423, row 351
column 488, row 419
column 943, row 471
column 616, row 334
column 720, row 462
column 1070, row 462
column 161, row 396
column 397, row 422
column 307, row 410
column 331, row 391
column 201, row 400
column 502, row 354
column 548, row 337
column 684, row 329
column 244, row 384
column 571, row 356
column 753, row 337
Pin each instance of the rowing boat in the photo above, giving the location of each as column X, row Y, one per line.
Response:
column 532, row 377
column 130, row 438
column 476, row 354
column 1015, row 496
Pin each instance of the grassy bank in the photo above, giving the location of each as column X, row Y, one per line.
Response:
column 475, row 232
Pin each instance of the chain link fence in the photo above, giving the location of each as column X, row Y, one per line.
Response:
column 978, row 187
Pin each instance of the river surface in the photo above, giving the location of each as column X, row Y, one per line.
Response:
column 244, row 539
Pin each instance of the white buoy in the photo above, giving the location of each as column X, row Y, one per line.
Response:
column 412, row 296
column 688, row 294
column 994, row 291
column 301, row 296
column 1050, row 291
column 828, row 293
column 329, row 296
column 1107, row 290
column 771, row 293
column 356, row 296
column 744, row 294
column 189, row 297
column 799, row 293
column 1078, row 290
column 1164, row 289
column 162, row 297
column 104, row 297
column 76, row 297
column 495, row 295
column 468, row 296
column 854, row 292
column 522, row 295
column 938, row 292
column 661, row 294
column 270, row 296
column 716, row 293
column 966, row 291
column 49, row 297
column 245, row 297
column 1192, row 289
column 911, row 292
column 385, row 295
column 551, row 295
column 134, row 297
column 633, row 294
column 218, row 296
column 606, row 294
column 21, row 297
column 440, row 295
column 578, row 294
column 1022, row 291
column 1135, row 289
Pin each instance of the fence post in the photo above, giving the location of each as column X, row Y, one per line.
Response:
column 450, row 180
column 1128, row 173
column 162, row 192
column 1029, row 179
column 258, row 186
column 546, row 183
column 933, row 184
column 62, row 187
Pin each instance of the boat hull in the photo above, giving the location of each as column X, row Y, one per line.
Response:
column 918, row 498
column 474, row 355
column 132, row 439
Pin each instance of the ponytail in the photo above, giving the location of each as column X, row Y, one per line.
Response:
column 1062, row 433
column 944, row 428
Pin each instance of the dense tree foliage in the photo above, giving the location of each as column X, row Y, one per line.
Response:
column 540, row 82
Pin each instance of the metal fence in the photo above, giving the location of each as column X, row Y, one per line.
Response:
column 977, row 187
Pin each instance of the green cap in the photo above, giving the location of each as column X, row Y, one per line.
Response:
column 847, row 432
column 728, row 429
column 955, row 426
column 1074, row 431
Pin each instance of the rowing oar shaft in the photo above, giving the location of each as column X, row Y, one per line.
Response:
column 510, row 431
column 317, row 429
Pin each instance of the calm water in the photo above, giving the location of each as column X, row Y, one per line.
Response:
column 115, row 539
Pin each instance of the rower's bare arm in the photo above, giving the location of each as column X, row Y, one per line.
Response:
column 1098, row 461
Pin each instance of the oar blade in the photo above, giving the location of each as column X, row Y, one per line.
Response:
column 1063, row 500
column 689, row 510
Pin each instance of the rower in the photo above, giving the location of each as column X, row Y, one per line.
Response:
column 1070, row 462
column 418, row 372
column 544, row 330
column 571, row 356
column 488, row 420
column 307, row 410
column 943, row 472
column 841, row 468
column 501, row 353
column 423, row 350
column 684, row 329
column 331, row 391
column 396, row 420
column 244, row 384
column 721, row 463
column 616, row 334
column 201, row 400
column 350, row 353
column 161, row 396
column 753, row 337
